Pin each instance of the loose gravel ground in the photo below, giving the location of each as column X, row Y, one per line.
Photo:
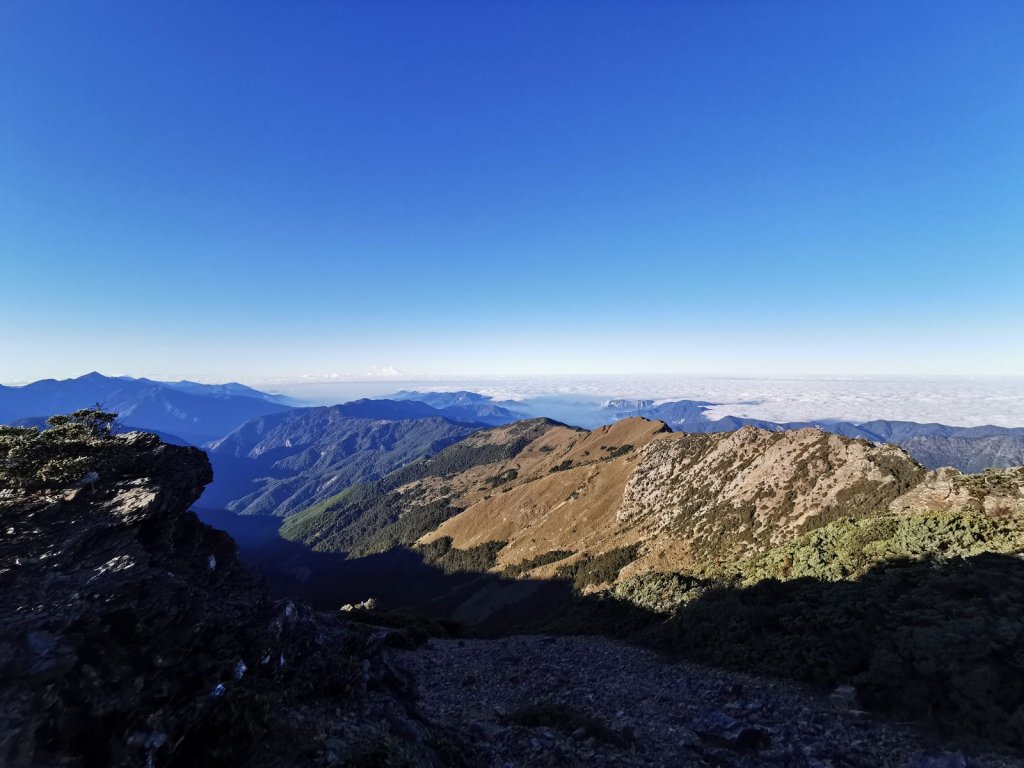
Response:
column 589, row 701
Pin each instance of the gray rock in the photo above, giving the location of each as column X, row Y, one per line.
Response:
column 41, row 643
column 939, row 760
column 844, row 698
column 720, row 728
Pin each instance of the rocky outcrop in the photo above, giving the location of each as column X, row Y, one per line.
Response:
column 130, row 634
column 734, row 493
column 998, row 493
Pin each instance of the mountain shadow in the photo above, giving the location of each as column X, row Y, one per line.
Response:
column 938, row 642
column 472, row 602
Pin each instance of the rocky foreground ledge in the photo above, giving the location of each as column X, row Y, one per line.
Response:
column 592, row 702
column 131, row 635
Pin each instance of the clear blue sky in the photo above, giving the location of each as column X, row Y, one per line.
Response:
column 246, row 189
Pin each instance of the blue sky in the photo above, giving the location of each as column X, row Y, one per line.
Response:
column 246, row 189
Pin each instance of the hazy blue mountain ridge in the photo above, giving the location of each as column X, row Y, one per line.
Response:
column 230, row 389
column 281, row 463
column 468, row 405
column 268, row 457
column 195, row 412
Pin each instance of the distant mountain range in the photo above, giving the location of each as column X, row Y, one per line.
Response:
column 969, row 449
column 471, row 406
column 196, row 413
column 284, row 462
column 272, row 458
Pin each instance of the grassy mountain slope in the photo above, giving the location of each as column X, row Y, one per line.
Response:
column 679, row 500
column 375, row 516
column 672, row 501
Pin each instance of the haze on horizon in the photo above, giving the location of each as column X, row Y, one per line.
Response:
column 263, row 190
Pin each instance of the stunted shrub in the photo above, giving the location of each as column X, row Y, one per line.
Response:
column 450, row 559
column 519, row 569
column 501, row 478
column 661, row 592
column 614, row 452
column 73, row 446
column 598, row 569
column 848, row 548
column 933, row 640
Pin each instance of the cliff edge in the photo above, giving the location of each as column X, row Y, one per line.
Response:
column 130, row 633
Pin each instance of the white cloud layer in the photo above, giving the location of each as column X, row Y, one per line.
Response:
column 958, row 401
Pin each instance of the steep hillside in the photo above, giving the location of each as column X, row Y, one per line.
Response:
column 561, row 494
column 374, row 517
column 279, row 464
column 728, row 495
column 968, row 454
column 680, row 501
column 545, row 500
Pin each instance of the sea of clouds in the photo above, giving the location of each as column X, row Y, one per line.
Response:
column 960, row 401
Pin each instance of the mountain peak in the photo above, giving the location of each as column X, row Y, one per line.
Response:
column 197, row 413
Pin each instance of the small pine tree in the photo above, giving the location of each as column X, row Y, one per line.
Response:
column 91, row 422
column 74, row 445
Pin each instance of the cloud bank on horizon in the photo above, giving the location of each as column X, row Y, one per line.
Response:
column 953, row 400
